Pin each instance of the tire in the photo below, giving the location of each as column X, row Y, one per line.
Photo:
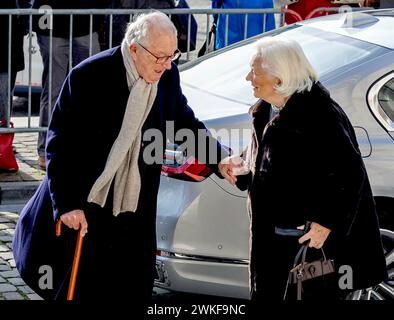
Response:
column 384, row 290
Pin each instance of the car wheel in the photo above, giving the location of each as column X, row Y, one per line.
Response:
column 384, row 290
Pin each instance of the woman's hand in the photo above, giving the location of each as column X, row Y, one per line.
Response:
column 317, row 234
column 228, row 166
column 75, row 219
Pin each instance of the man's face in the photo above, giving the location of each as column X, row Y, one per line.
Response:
column 160, row 44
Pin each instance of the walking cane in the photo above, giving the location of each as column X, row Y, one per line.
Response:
column 77, row 257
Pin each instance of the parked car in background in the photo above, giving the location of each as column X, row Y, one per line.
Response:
column 202, row 223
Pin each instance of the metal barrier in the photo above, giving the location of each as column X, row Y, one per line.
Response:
column 109, row 14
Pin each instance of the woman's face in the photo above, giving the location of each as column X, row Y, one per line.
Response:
column 263, row 83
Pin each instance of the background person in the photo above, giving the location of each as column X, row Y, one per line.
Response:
column 236, row 22
column 17, row 57
column 61, row 50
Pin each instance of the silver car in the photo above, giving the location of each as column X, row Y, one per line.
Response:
column 202, row 223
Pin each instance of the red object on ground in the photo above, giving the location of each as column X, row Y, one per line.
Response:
column 7, row 156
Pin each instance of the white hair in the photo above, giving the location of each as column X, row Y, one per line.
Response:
column 138, row 30
column 285, row 60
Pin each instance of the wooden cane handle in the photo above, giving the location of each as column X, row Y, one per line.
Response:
column 58, row 228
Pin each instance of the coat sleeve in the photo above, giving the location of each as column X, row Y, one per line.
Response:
column 65, row 149
column 244, row 181
column 337, row 174
column 207, row 149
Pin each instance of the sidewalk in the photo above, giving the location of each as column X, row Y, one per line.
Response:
column 16, row 188
column 12, row 286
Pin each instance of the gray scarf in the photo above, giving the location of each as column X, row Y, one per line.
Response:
column 122, row 161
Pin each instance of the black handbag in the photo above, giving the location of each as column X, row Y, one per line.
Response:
column 313, row 276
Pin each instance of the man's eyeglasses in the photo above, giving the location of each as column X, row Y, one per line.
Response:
column 161, row 60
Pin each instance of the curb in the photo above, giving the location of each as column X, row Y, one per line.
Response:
column 17, row 192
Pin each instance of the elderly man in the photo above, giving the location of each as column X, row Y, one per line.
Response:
column 105, row 187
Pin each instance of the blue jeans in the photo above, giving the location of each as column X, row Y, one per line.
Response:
column 60, row 69
column 5, row 95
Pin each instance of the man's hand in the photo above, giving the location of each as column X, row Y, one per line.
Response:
column 75, row 219
column 227, row 167
column 318, row 235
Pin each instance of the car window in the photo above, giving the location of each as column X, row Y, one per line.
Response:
column 386, row 99
column 329, row 53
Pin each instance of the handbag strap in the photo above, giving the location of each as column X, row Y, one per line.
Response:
column 299, row 262
column 302, row 253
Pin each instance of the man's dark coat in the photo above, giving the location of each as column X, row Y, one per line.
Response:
column 86, row 121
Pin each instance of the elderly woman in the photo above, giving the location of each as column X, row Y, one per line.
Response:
column 305, row 165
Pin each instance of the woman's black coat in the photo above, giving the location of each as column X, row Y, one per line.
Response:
column 308, row 167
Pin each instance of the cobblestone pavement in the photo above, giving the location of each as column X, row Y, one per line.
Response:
column 12, row 286
column 26, row 156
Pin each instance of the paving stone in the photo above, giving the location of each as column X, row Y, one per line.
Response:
column 5, row 226
column 6, row 255
column 29, row 178
column 10, row 231
column 9, row 274
column 2, row 280
column 12, row 263
column 13, row 296
column 9, row 214
column 5, row 238
column 29, row 157
column 25, row 289
column 23, row 164
column 16, row 281
column 4, row 248
column 4, row 233
column 6, row 287
column 31, row 162
column 2, row 220
column 34, row 296
column 9, row 177
column 5, row 267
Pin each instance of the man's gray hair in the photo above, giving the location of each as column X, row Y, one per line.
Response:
column 284, row 59
column 138, row 30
